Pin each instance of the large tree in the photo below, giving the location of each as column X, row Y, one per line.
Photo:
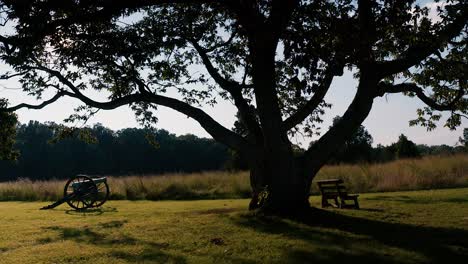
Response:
column 273, row 59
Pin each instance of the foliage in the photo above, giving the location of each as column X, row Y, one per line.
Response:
column 406, row 148
column 358, row 148
column 117, row 153
column 464, row 140
column 440, row 150
column 8, row 123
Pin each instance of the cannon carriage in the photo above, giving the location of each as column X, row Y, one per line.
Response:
column 83, row 192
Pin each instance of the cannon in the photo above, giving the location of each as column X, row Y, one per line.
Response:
column 82, row 192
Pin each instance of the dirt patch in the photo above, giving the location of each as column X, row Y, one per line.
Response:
column 217, row 241
column 114, row 224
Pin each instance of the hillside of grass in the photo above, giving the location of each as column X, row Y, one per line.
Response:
column 431, row 172
column 397, row 227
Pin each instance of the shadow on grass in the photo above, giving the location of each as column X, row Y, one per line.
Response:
column 419, row 200
column 91, row 212
column 356, row 238
column 152, row 252
column 148, row 255
column 114, row 224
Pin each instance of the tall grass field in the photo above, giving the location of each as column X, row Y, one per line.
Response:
column 432, row 172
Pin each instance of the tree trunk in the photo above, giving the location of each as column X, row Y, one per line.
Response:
column 288, row 180
column 259, row 179
column 275, row 170
column 278, row 185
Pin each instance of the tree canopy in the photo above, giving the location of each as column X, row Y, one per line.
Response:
column 273, row 59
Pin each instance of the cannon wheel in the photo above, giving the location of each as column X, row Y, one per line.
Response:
column 83, row 196
column 102, row 193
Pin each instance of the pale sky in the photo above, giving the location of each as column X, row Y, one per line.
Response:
column 387, row 120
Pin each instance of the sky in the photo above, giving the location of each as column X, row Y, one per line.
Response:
column 387, row 120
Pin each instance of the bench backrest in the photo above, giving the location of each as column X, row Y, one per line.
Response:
column 332, row 187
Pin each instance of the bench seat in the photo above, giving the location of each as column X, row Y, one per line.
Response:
column 334, row 189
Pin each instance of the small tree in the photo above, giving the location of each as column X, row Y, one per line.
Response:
column 357, row 148
column 406, row 148
column 273, row 59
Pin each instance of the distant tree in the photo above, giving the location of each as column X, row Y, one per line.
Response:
column 438, row 150
column 424, row 149
column 8, row 122
column 383, row 153
column 406, row 148
column 358, row 148
column 464, row 140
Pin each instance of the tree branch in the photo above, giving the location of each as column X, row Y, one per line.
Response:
column 367, row 30
column 226, row 84
column 216, row 130
column 317, row 155
column 311, row 105
column 384, row 88
column 234, row 89
column 82, row 12
column 9, row 76
column 132, row 98
column 248, row 14
column 30, row 106
column 115, row 5
column 418, row 52
column 281, row 12
column 224, row 44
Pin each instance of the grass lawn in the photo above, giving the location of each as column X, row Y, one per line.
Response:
column 403, row 227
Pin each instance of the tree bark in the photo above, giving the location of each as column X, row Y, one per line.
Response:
column 278, row 187
column 277, row 171
column 258, row 180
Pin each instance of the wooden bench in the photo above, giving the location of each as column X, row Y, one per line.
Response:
column 334, row 189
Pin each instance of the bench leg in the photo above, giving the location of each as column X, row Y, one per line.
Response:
column 326, row 203
column 336, row 202
column 340, row 204
column 356, row 203
column 344, row 205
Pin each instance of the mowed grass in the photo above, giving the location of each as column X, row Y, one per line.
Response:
column 398, row 227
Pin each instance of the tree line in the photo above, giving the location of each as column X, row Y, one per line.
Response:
column 45, row 153
column 123, row 152
column 358, row 149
